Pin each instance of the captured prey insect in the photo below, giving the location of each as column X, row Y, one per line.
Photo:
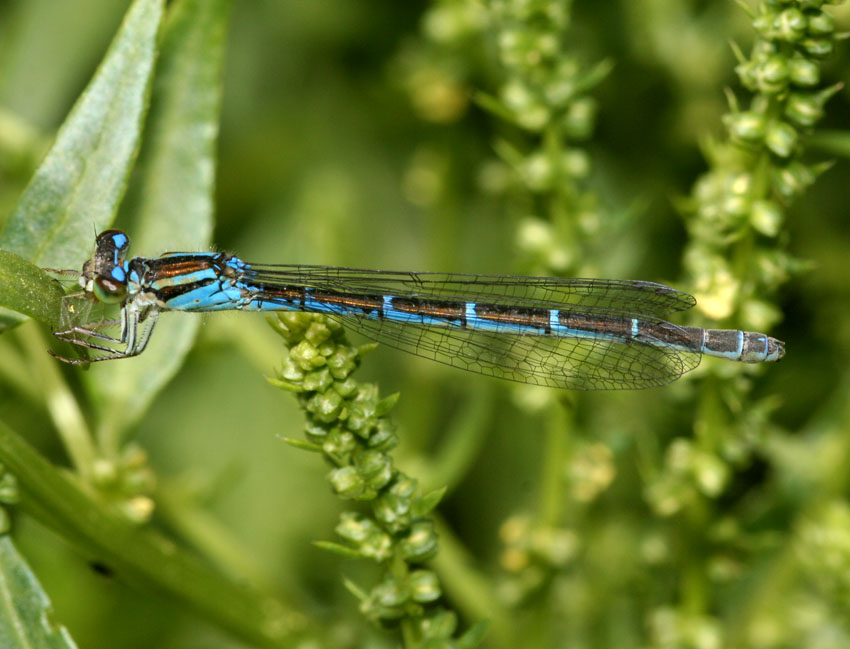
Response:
column 580, row 334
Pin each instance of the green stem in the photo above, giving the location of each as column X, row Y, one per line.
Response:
column 462, row 441
column 550, row 510
column 61, row 403
column 143, row 557
column 469, row 588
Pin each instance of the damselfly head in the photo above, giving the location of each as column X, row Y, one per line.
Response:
column 105, row 274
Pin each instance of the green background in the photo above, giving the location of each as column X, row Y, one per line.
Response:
column 335, row 149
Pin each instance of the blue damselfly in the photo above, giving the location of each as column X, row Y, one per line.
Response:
column 581, row 334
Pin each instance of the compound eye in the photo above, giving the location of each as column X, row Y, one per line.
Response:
column 108, row 290
column 114, row 241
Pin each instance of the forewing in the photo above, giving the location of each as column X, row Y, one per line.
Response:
column 627, row 296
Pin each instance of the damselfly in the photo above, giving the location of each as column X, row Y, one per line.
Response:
column 581, row 334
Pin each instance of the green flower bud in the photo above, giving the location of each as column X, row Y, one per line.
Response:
column 821, row 24
column 387, row 600
column 383, row 437
column 347, row 482
column 528, row 109
column 766, row 217
column 441, row 625
column 819, row 48
column 314, row 432
column 773, row 74
column 792, row 179
column 370, row 540
column 346, row 388
column 317, row 333
column 391, row 592
column 747, row 72
column 361, row 417
column 374, row 467
column 781, row 138
column 342, row 362
column 580, row 118
column 747, row 126
column 306, row 356
column 711, row 473
column 317, row 381
column 420, row 543
column 338, row 443
column 392, row 508
column 790, row 25
column 325, row 406
column 424, row 586
column 537, row 171
column 576, row 163
column 804, row 109
column 105, row 473
column 803, row 72
column 9, row 494
column 736, row 205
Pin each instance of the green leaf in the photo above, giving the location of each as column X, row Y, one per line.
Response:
column 24, row 606
column 474, row 636
column 77, row 189
column 27, row 289
column 427, row 503
column 173, row 202
column 386, row 404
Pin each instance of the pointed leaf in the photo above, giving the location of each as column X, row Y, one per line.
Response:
column 303, row 445
column 24, row 606
column 429, row 501
column 337, row 548
column 77, row 189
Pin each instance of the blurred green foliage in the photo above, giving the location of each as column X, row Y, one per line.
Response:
column 508, row 136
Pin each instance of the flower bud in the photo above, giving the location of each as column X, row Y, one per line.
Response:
column 804, row 109
column 766, row 217
column 803, row 72
column 790, row 25
column 821, row 24
column 780, row 138
column 747, row 126
column 818, row 48
column 424, row 586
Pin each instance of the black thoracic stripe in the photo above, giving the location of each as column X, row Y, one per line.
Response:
column 176, row 265
column 165, row 268
column 168, row 293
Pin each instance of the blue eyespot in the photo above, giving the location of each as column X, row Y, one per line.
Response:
column 119, row 274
